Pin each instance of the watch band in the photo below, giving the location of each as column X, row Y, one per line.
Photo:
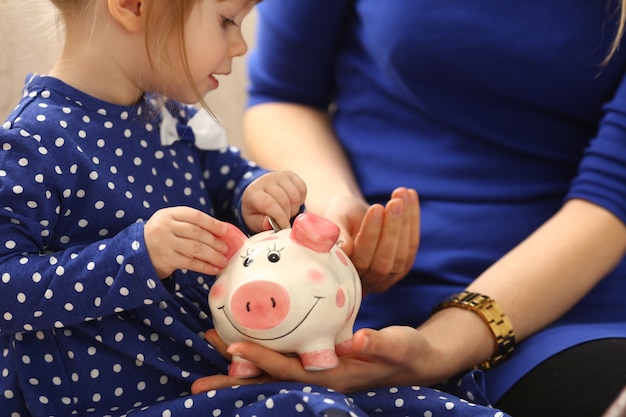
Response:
column 492, row 314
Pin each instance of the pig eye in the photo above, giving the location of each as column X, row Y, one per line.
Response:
column 273, row 256
column 247, row 258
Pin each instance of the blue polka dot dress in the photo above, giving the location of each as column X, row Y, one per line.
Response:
column 86, row 326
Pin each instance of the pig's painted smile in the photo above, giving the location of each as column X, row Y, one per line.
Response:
column 232, row 323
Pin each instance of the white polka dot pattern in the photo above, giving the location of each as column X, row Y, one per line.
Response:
column 86, row 326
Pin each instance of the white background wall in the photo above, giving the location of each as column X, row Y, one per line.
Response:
column 30, row 42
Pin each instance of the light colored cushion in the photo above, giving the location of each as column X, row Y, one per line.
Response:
column 28, row 43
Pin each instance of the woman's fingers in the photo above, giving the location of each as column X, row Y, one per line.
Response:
column 387, row 242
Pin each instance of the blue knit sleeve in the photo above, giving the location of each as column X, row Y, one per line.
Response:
column 293, row 62
column 227, row 176
column 602, row 174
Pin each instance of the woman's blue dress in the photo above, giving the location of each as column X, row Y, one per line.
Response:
column 495, row 111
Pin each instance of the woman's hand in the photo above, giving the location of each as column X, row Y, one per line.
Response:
column 278, row 195
column 395, row 355
column 382, row 241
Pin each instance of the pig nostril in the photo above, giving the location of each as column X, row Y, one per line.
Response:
column 249, row 310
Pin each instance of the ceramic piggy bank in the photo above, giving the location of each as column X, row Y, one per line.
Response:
column 293, row 291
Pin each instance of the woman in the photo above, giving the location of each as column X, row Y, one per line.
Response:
column 509, row 119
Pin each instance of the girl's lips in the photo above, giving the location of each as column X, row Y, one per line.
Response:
column 214, row 81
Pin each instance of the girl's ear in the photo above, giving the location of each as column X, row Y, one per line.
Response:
column 128, row 13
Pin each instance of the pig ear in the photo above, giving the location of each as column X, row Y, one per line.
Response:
column 234, row 238
column 314, row 232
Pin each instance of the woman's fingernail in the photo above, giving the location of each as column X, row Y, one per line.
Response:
column 397, row 210
column 234, row 352
column 366, row 342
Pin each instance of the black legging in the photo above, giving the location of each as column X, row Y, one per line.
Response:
column 580, row 381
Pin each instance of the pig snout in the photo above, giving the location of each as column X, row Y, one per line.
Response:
column 260, row 305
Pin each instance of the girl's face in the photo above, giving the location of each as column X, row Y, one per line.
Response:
column 213, row 38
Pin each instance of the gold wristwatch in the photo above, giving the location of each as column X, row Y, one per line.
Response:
column 494, row 316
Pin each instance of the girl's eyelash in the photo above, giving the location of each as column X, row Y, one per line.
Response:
column 228, row 21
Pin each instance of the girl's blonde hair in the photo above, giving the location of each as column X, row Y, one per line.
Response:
column 164, row 18
column 619, row 34
column 169, row 19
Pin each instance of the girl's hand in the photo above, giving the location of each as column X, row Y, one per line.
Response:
column 382, row 241
column 277, row 195
column 395, row 355
column 186, row 238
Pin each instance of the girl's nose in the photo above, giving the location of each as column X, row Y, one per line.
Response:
column 238, row 46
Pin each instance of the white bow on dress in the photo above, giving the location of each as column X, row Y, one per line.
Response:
column 208, row 133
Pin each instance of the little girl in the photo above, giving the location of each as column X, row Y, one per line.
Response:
column 115, row 198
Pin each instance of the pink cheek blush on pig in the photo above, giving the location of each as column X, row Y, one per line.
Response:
column 292, row 290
